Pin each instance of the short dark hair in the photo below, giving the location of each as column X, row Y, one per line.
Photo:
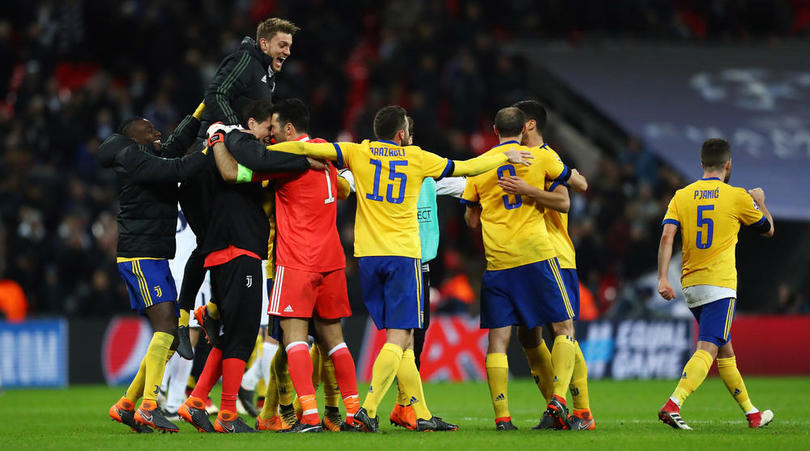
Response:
column 534, row 110
column 410, row 125
column 259, row 110
column 126, row 126
column 293, row 111
column 510, row 121
column 714, row 153
column 388, row 121
column 273, row 25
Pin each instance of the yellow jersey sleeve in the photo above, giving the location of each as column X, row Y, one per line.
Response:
column 343, row 188
column 470, row 195
column 747, row 211
column 479, row 164
column 436, row 166
column 671, row 216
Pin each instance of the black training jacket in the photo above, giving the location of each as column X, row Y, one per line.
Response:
column 237, row 217
column 147, row 188
column 243, row 76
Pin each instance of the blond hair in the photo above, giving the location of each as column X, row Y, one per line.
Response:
column 273, row 25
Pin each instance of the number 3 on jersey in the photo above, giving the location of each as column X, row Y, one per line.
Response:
column 518, row 200
column 701, row 221
column 393, row 176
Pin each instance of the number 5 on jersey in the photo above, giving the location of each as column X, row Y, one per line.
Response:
column 393, row 176
column 701, row 221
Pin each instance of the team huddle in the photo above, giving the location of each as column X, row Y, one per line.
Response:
column 255, row 187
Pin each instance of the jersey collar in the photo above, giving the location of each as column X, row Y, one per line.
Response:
column 711, row 178
column 511, row 141
column 387, row 141
column 304, row 137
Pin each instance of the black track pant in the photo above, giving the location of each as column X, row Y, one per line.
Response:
column 193, row 277
column 237, row 288
column 419, row 334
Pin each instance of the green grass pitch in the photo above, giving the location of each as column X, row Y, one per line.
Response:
column 625, row 412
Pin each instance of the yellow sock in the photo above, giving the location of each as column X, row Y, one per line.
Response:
column 402, row 398
column 540, row 365
column 331, row 391
column 256, row 353
column 315, row 355
column 279, row 370
column 382, row 374
column 694, row 373
column 734, row 383
column 183, row 320
column 579, row 381
column 155, row 360
column 191, row 382
column 498, row 381
column 563, row 355
column 135, row 389
column 270, row 407
column 261, row 386
column 411, row 383
column 213, row 310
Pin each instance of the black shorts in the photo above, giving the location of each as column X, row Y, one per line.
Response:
column 237, row 287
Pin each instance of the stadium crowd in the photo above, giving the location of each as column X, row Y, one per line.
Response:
column 75, row 69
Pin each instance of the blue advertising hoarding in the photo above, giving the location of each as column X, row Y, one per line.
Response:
column 33, row 353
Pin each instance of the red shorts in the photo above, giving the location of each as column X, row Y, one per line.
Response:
column 304, row 294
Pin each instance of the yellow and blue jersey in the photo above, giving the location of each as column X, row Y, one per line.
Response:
column 557, row 226
column 709, row 213
column 514, row 233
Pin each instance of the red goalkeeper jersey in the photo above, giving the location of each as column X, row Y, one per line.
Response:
column 306, row 219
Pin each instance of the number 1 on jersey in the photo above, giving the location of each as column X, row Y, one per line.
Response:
column 330, row 198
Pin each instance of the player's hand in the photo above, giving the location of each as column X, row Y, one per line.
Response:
column 575, row 172
column 519, row 157
column 758, row 195
column 317, row 165
column 665, row 290
column 514, row 185
column 221, row 127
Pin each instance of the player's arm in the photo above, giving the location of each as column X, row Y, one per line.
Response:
column 556, row 198
column 183, row 136
column 254, row 156
column 671, row 225
column 764, row 226
column 229, row 79
column 664, row 256
column 143, row 167
column 577, row 181
column 344, row 188
column 451, row 186
column 472, row 216
column 484, row 163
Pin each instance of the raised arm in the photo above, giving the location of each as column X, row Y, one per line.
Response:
column 765, row 228
column 664, row 256
column 183, row 136
column 578, row 182
column 556, row 200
